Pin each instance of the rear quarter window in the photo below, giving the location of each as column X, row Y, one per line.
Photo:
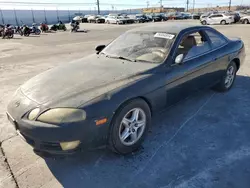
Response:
column 216, row 39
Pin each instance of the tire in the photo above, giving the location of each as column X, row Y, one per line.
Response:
column 222, row 86
column 246, row 21
column 108, row 22
column 116, row 143
column 223, row 22
column 204, row 22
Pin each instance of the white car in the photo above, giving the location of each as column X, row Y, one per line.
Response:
column 115, row 20
column 245, row 19
column 222, row 19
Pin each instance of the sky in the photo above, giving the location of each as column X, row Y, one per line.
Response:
column 110, row 4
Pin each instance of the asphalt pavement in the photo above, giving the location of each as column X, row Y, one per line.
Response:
column 202, row 141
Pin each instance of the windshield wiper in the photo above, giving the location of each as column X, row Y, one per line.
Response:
column 140, row 60
column 120, row 57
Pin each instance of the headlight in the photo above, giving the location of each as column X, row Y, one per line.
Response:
column 33, row 114
column 62, row 115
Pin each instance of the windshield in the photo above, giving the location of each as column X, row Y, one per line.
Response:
column 141, row 46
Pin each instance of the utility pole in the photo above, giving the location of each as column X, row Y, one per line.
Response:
column 160, row 5
column 187, row 4
column 147, row 4
column 193, row 5
column 2, row 16
column 98, row 6
column 230, row 3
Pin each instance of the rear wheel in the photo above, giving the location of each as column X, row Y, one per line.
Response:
column 129, row 127
column 223, row 22
column 228, row 79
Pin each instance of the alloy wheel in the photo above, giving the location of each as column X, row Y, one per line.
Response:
column 132, row 126
column 229, row 77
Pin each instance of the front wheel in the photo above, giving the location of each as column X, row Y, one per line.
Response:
column 129, row 127
column 246, row 21
column 228, row 79
column 223, row 22
column 204, row 22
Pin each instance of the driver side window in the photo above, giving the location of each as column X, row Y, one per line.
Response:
column 192, row 45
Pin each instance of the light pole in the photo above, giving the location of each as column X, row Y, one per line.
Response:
column 16, row 17
column 45, row 17
column 2, row 15
column 33, row 17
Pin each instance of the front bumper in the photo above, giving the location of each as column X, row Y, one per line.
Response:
column 45, row 138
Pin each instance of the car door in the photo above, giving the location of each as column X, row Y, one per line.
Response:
column 219, row 18
column 191, row 74
column 219, row 54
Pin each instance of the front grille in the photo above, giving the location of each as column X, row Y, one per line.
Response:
column 50, row 146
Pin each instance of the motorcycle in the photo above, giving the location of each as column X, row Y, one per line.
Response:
column 26, row 30
column 34, row 30
column 1, row 30
column 59, row 26
column 44, row 27
column 19, row 30
column 74, row 27
column 8, row 32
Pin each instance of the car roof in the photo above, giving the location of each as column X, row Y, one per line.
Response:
column 167, row 27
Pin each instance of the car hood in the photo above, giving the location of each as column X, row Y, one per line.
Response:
column 75, row 83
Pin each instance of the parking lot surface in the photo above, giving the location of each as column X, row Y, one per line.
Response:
column 202, row 141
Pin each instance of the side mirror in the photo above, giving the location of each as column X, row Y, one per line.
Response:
column 179, row 59
column 100, row 48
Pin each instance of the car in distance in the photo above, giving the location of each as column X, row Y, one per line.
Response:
column 245, row 19
column 108, row 98
column 95, row 19
column 115, row 20
column 222, row 19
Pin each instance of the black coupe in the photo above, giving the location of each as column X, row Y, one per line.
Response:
column 108, row 98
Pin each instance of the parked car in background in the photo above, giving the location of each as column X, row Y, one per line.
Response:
column 236, row 16
column 115, row 20
column 128, row 20
column 196, row 16
column 245, row 19
column 85, row 18
column 222, row 19
column 155, row 18
column 95, row 19
column 186, row 15
column 137, row 19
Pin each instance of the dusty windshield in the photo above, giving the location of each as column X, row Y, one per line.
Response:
column 141, row 46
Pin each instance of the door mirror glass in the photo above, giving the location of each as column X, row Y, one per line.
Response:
column 100, row 48
column 179, row 59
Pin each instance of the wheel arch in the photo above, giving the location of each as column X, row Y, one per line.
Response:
column 237, row 62
column 122, row 105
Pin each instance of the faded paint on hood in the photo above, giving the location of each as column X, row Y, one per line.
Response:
column 78, row 82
